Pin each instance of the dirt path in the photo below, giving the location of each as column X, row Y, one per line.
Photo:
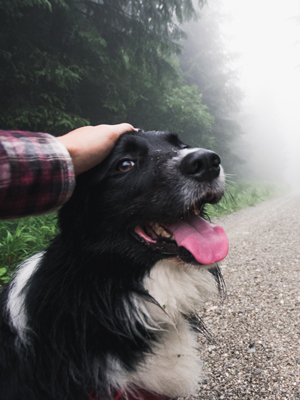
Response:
column 256, row 353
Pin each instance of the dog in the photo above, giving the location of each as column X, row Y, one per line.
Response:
column 109, row 310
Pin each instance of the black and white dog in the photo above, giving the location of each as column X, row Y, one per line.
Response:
column 110, row 308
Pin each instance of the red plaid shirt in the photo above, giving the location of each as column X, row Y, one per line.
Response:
column 36, row 174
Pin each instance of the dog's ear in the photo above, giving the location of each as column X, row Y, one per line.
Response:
column 74, row 213
column 93, row 176
column 86, row 182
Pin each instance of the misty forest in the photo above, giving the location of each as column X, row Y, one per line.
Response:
column 67, row 63
column 223, row 75
column 159, row 65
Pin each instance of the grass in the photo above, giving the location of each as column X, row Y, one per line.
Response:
column 21, row 238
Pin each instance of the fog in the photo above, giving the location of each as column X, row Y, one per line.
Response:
column 265, row 34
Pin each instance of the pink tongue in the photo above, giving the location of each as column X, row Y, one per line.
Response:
column 208, row 243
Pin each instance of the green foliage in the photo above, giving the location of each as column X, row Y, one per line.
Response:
column 67, row 63
column 189, row 117
column 172, row 106
column 19, row 239
column 14, row 6
column 244, row 194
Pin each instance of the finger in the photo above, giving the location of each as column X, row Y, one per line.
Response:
column 118, row 129
column 124, row 127
column 114, row 131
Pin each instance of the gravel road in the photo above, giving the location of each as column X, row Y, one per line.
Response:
column 255, row 353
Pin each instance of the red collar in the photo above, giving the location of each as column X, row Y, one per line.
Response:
column 139, row 394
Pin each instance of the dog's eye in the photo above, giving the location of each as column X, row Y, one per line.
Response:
column 125, row 165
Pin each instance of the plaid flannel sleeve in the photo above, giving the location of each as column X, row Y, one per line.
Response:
column 36, row 174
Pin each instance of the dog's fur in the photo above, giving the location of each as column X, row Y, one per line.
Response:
column 102, row 310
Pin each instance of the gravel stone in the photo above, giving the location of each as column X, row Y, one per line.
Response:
column 255, row 350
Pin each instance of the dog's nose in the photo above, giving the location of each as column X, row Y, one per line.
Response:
column 203, row 165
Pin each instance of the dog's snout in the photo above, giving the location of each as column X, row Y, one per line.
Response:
column 203, row 165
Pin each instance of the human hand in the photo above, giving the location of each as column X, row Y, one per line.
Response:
column 90, row 145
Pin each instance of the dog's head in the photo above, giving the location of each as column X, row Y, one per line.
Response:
column 143, row 203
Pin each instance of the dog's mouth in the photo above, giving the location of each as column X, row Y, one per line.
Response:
column 191, row 239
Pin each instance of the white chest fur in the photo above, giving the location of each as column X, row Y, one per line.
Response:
column 174, row 369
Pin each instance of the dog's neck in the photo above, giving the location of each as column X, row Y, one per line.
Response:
column 172, row 367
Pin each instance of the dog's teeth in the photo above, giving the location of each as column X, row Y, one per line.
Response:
column 160, row 231
column 165, row 234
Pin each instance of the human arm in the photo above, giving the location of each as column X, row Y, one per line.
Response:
column 37, row 170
column 90, row 145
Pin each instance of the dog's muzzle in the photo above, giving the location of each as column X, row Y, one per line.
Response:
column 203, row 165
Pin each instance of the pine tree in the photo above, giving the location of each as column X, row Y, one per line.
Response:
column 66, row 63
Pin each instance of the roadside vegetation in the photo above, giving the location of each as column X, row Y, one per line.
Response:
column 244, row 194
column 21, row 238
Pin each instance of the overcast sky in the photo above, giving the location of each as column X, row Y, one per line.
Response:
column 267, row 36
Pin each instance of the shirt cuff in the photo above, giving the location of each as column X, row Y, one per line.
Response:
column 36, row 174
